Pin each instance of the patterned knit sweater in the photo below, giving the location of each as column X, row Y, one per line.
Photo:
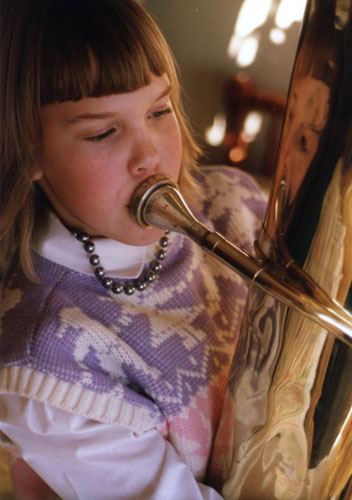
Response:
column 155, row 360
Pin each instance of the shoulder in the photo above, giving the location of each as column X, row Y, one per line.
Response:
column 232, row 202
column 223, row 177
column 229, row 188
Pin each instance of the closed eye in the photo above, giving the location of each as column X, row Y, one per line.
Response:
column 100, row 137
column 162, row 112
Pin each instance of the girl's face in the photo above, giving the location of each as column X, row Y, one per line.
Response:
column 96, row 151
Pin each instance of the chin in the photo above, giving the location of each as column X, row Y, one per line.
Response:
column 143, row 237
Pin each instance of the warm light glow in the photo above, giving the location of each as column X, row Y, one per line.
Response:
column 237, row 154
column 252, row 15
column 234, row 46
column 252, row 125
column 248, row 51
column 215, row 134
column 277, row 36
column 289, row 12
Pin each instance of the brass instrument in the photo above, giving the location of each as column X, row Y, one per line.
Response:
column 158, row 203
column 286, row 430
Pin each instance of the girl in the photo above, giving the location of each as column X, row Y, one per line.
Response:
column 113, row 369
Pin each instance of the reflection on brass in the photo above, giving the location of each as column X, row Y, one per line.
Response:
column 286, row 427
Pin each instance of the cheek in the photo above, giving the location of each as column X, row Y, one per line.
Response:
column 172, row 149
column 73, row 167
column 74, row 180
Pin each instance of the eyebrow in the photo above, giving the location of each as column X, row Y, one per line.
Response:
column 102, row 116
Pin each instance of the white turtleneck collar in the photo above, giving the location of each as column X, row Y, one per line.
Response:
column 118, row 259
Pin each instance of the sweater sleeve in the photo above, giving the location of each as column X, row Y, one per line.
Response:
column 84, row 459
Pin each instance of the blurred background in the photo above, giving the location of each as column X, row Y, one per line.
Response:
column 235, row 60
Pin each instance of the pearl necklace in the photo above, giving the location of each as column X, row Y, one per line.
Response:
column 129, row 287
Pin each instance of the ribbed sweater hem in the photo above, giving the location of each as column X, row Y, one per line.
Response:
column 107, row 408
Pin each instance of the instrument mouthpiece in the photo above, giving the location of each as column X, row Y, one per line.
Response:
column 157, row 202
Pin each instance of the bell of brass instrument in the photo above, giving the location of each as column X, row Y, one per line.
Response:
column 286, row 428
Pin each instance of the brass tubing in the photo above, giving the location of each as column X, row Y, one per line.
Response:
column 159, row 203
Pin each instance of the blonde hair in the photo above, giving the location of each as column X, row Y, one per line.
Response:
column 60, row 50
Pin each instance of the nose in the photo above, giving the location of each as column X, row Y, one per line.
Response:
column 144, row 157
